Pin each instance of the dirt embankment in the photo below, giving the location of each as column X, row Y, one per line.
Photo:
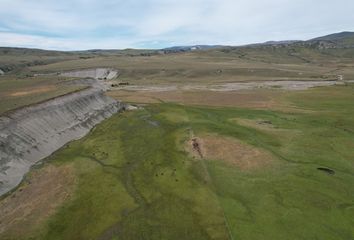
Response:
column 33, row 133
column 96, row 73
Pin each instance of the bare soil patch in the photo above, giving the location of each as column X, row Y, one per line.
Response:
column 229, row 150
column 39, row 196
column 133, row 97
column 36, row 90
column 258, row 124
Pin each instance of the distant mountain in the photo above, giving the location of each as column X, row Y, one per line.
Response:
column 189, row 48
column 29, row 51
column 336, row 37
column 336, row 40
column 281, row 42
column 274, row 43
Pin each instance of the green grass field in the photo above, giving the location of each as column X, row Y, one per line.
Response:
column 135, row 180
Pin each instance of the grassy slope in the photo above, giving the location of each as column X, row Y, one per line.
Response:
column 17, row 60
column 220, row 65
column 136, row 182
column 17, row 63
column 237, row 64
column 32, row 90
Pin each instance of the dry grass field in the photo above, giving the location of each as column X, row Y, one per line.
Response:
column 206, row 67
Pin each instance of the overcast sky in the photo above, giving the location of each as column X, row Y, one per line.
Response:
column 105, row 24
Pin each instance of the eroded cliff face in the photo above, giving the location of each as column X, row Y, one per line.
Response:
column 96, row 73
column 33, row 133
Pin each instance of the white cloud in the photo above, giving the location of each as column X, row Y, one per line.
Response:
column 52, row 43
column 78, row 24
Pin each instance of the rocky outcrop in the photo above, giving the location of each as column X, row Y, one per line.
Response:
column 32, row 133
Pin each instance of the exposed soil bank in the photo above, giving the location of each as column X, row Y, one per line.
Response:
column 97, row 73
column 32, row 133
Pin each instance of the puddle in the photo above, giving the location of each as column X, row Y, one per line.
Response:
column 326, row 170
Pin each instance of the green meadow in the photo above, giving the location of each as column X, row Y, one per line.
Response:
column 134, row 179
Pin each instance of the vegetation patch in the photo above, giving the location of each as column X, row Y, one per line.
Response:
column 41, row 89
column 229, row 150
column 17, row 92
column 135, row 179
column 37, row 198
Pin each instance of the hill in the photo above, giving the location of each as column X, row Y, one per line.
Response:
column 177, row 49
column 335, row 36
